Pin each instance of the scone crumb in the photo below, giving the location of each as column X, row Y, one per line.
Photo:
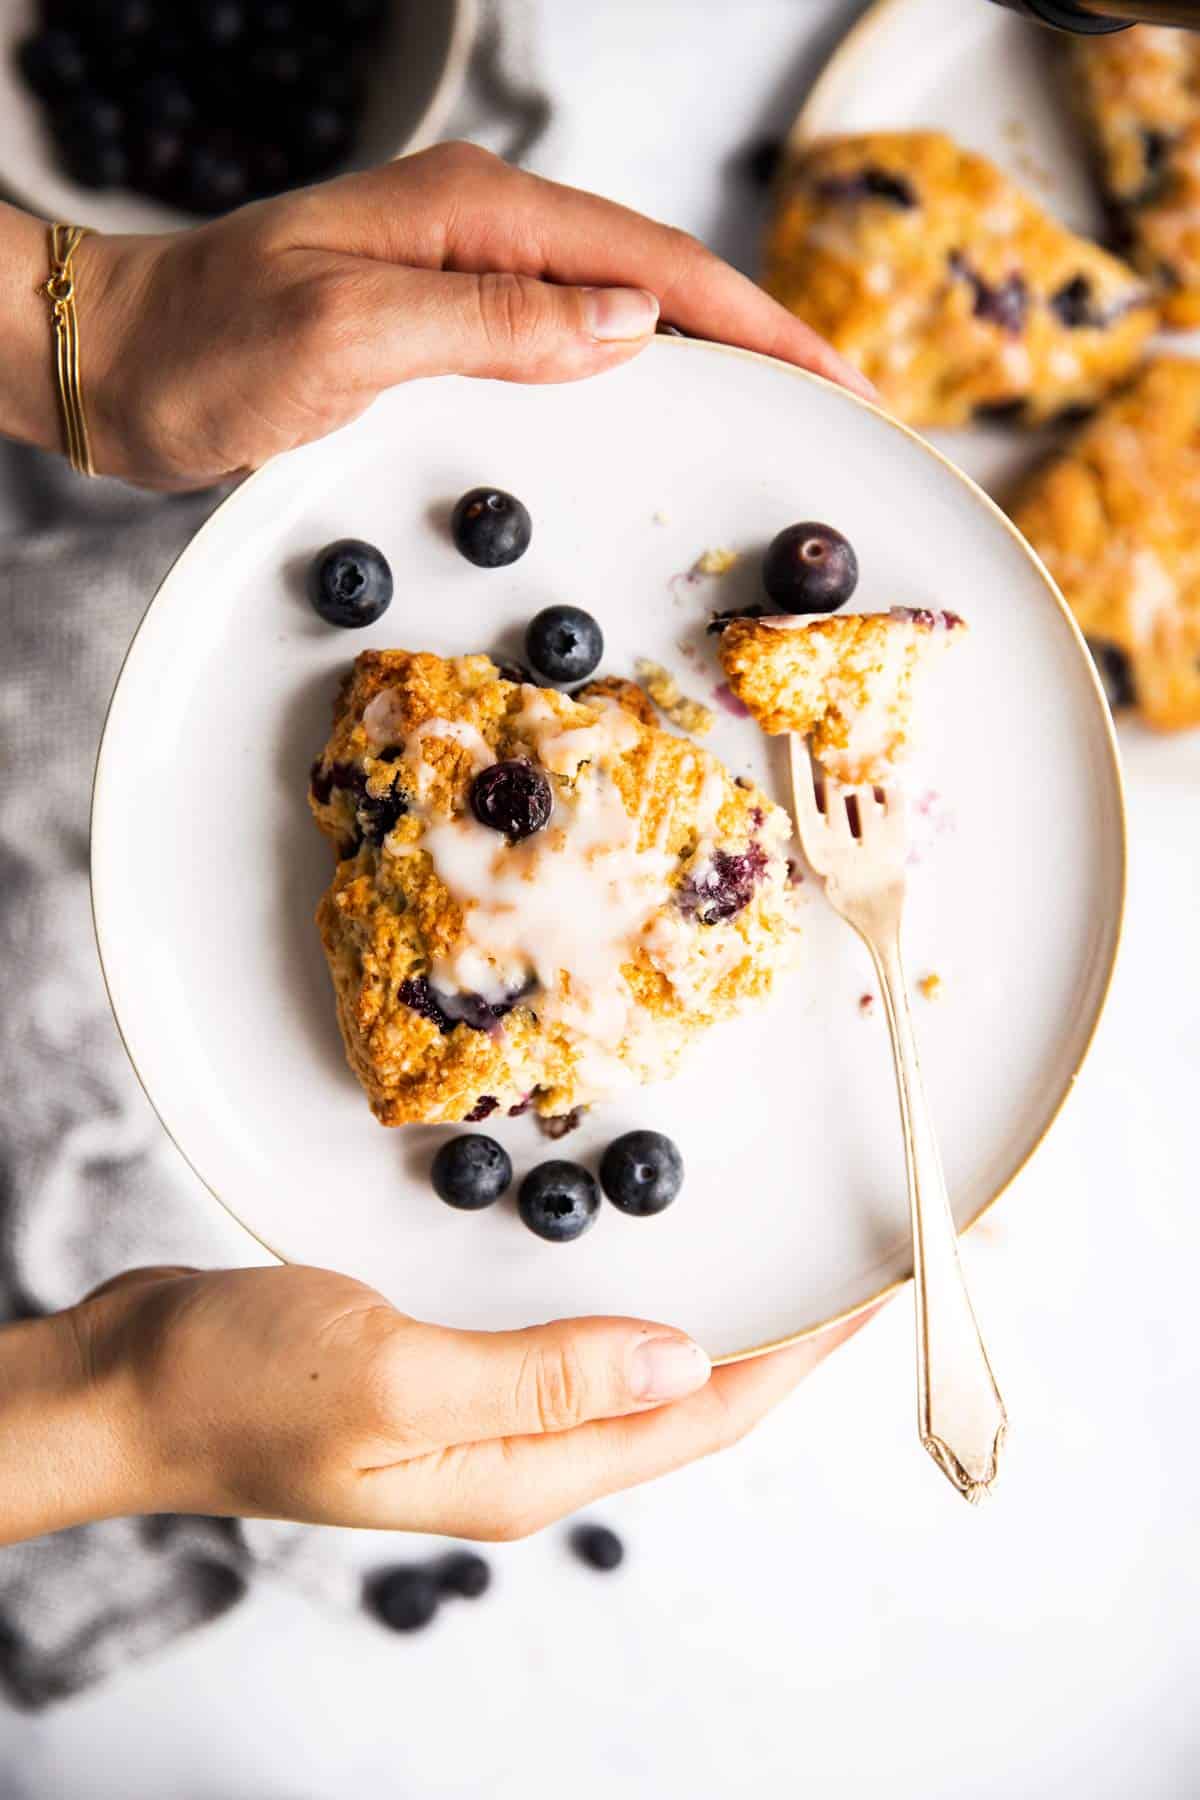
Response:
column 717, row 561
column 560, row 1123
column 662, row 518
column 930, row 987
column 665, row 691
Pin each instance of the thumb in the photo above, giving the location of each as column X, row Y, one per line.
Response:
column 463, row 1387
column 414, row 322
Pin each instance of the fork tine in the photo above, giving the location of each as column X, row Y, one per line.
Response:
column 808, row 814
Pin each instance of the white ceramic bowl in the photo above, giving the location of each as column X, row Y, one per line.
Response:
column 416, row 73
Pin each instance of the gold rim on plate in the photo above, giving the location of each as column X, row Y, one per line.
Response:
column 694, row 346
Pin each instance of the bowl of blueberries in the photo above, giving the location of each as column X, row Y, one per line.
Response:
column 141, row 115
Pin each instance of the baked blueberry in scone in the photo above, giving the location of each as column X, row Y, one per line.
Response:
column 947, row 285
column 1139, row 92
column 849, row 683
column 538, row 900
column 1116, row 519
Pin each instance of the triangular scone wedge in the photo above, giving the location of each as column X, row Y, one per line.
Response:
column 847, row 682
column 1116, row 519
column 947, row 285
column 1139, row 92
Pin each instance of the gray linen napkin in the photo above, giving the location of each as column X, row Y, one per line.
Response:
column 89, row 1184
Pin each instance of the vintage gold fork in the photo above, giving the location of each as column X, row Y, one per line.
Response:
column 856, row 839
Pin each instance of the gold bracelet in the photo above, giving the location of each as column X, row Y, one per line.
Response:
column 59, row 289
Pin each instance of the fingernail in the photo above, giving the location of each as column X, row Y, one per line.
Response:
column 619, row 314
column 666, row 1368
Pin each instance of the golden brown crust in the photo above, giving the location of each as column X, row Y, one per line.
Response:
column 845, row 682
column 410, row 733
column 948, row 285
column 1139, row 92
column 1116, row 519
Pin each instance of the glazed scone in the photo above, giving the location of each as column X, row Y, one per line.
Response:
column 476, row 972
column 1116, row 519
column 948, row 285
column 1139, row 92
column 848, row 682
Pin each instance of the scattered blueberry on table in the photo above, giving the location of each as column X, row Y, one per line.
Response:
column 490, row 528
column 810, row 568
column 598, row 1547
column 351, row 583
column 464, row 1574
column 558, row 1201
column 471, row 1171
column 564, row 643
column 202, row 106
column 405, row 1598
column 641, row 1172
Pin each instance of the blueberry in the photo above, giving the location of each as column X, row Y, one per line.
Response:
column 761, row 161
column 221, row 23
column 276, row 19
column 404, row 1598
column 598, row 1547
column 320, row 135
column 465, row 1574
column 277, row 66
column 52, row 63
column 641, row 1172
column 1004, row 303
column 870, row 184
column 118, row 19
column 490, row 527
column 1116, row 675
column 809, row 568
column 163, row 99
column 352, row 583
column 558, row 1201
column 94, row 162
column 214, row 179
column 563, row 643
column 1072, row 303
column 269, row 169
column 724, row 887
column 156, row 156
column 512, row 797
column 90, row 115
column 471, row 1171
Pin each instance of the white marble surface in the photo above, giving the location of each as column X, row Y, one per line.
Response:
column 814, row 1612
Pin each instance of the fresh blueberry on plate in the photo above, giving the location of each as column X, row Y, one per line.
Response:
column 490, row 528
column 558, row 1201
column 404, row 1598
column 352, row 583
column 512, row 797
column 471, row 1171
column 810, row 568
column 641, row 1172
column 598, row 1547
column 564, row 643
column 465, row 1574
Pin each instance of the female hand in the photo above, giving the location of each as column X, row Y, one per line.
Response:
column 292, row 1392
column 206, row 351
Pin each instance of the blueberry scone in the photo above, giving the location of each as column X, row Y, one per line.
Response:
column 849, row 682
column 1116, row 519
column 1139, row 91
column 538, row 900
column 948, row 285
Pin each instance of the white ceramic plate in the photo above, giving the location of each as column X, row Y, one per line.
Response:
column 206, row 867
column 994, row 81
column 416, row 73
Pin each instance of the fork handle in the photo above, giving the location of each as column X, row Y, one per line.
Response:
column 960, row 1413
